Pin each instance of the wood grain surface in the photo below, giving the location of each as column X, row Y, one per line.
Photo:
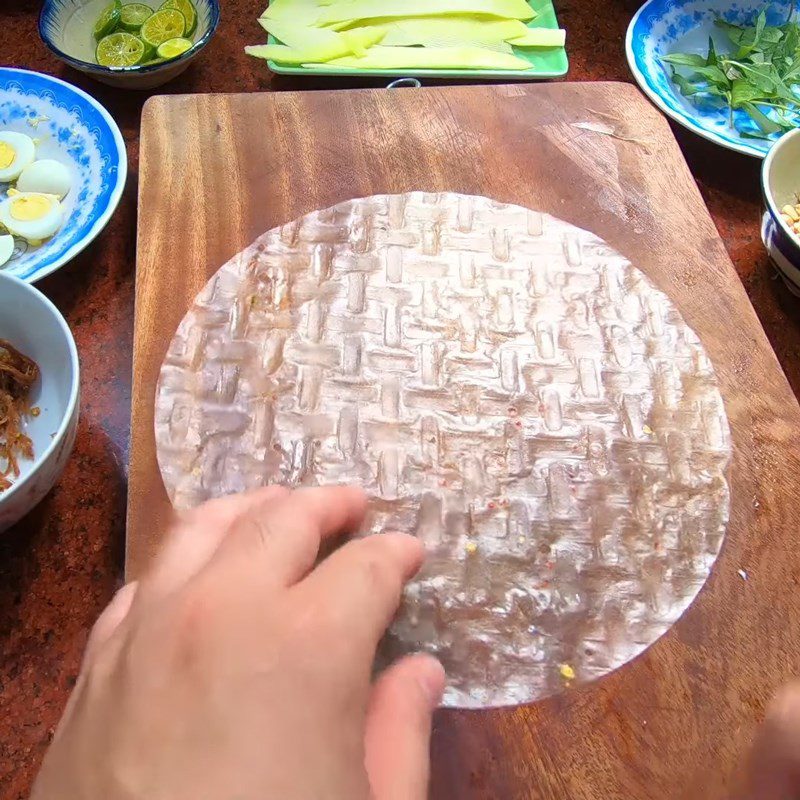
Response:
column 218, row 170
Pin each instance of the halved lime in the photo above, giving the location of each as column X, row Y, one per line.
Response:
column 108, row 20
column 133, row 15
column 168, row 23
column 188, row 10
column 173, row 48
column 120, row 50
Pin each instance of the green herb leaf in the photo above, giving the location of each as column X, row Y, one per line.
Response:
column 761, row 23
column 711, row 58
column 685, row 59
column 713, row 74
column 735, row 33
column 792, row 74
column 743, row 92
column 767, row 125
column 686, row 87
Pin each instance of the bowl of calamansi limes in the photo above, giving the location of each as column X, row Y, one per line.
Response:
column 137, row 45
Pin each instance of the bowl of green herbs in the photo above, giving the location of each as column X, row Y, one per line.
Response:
column 730, row 71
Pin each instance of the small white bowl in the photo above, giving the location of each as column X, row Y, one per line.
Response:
column 780, row 186
column 30, row 322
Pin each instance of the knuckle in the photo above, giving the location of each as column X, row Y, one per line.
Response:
column 258, row 528
column 376, row 568
column 189, row 623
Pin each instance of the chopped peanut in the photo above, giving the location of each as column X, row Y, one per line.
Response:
column 791, row 216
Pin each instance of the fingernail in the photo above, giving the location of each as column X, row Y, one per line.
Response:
column 431, row 680
column 129, row 589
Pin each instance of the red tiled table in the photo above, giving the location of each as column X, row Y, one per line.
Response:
column 60, row 566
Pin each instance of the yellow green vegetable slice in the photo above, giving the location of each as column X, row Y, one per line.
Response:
column 108, row 20
column 359, row 41
column 189, row 12
column 446, row 31
column 377, row 9
column 541, row 37
column 309, row 44
column 281, row 53
column 429, row 58
column 167, row 23
column 294, row 10
column 120, row 50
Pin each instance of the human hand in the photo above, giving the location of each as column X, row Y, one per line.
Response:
column 236, row 670
column 774, row 769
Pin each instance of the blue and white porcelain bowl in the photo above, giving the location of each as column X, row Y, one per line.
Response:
column 780, row 186
column 661, row 27
column 73, row 128
column 32, row 324
column 66, row 27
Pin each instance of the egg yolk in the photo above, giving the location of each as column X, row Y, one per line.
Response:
column 25, row 209
column 7, row 155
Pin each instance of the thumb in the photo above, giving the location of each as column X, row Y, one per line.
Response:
column 108, row 622
column 398, row 729
column 774, row 772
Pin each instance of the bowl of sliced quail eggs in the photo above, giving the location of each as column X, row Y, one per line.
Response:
column 62, row 171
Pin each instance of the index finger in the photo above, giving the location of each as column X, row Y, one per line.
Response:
column 195, row 537
column 279, row 542
column 359, row 587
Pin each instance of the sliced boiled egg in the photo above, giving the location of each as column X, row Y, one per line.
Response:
column 16, row 152
column 31, row 215
column 6, row 248
column 46, row 176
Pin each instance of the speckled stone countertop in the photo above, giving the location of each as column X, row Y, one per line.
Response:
column 60, row 565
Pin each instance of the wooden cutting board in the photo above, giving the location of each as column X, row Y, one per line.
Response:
column 218, row 170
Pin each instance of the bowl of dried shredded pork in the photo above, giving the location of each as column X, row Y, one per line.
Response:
column 39, row 388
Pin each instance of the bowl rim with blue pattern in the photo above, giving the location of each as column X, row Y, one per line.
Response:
column 640, row 38
column 101, row 133
column 45, row 32
column 783, row 245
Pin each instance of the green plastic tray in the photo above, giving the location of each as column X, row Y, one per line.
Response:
column 548, row 62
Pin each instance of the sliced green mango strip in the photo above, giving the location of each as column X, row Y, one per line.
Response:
column 447, row 31
column 429, row 58
column 298, row 36
column 277, row 52
column 541, row 37
column 308, row 44
column 307, row 10
column 377, row 9
column 359, row 41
